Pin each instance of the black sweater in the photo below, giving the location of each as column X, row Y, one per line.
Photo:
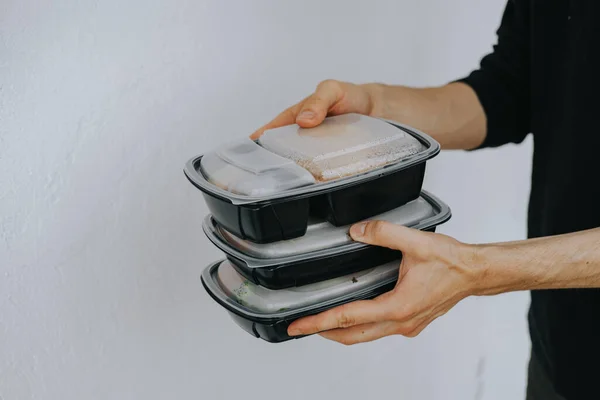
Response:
column 543, row 78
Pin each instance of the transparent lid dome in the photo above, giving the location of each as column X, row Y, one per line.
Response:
column 342, row 146
column 245, row 168
column 264, row 300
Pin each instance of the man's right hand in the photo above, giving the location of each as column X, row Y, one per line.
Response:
column 330, row 98
column 451, row 114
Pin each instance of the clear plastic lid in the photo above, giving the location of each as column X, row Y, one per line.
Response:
column 245, row 168
column 342, row 146
column 323, row 235
column 262, row 300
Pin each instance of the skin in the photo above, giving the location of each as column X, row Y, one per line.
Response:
column 451, row 114
column 436, row 271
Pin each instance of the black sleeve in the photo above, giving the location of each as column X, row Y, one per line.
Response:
column 502, row 82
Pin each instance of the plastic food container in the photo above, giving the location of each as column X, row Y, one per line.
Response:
column 266, row 313
column 325, row 251
column 266, row 191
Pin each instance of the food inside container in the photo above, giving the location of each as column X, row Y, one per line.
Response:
column 325, row 251
column 260, row 299
column 342, row 146
column 246, row 168
column 266, row 314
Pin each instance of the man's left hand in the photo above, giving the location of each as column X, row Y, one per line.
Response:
column 436, row 272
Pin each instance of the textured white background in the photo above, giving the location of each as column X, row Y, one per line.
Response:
column 101, row 104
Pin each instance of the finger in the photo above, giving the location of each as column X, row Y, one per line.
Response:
column 355, row 313
column 309, row 112
column 362, row 333
column 286, row 117
column 316, row 107
column 386, row 234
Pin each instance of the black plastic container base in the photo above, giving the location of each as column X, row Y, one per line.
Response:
column 358, row 202
column 315, row 270
column 261, row 224
column 275, row 330
column 271, row 332
column 287, row 218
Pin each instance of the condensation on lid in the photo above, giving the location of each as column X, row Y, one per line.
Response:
column 260, row 299
column 323, row 235
column 342, row 145
column 245, row 168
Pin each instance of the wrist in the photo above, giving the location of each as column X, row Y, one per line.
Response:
column 477, row 265
column 376, row 103
column 468, row 262
column 450, row 113
column 418, row 107
column 497, row 269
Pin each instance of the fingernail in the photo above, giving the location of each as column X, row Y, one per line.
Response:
column 306, row 115
column 358, row 230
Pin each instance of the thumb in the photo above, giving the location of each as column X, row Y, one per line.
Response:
column 386, row 234
column 314, row 110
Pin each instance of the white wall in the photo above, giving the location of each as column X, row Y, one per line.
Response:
column 102, row 102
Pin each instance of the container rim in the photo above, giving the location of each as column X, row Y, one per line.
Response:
column 214, row 290
column 442, row 214
column 200, row 182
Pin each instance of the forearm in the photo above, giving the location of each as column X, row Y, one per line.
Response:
column 451, row 114
column 557, row 262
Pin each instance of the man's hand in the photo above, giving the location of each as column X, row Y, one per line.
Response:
column 435, row 274
column 330, row 98
column 451, row 114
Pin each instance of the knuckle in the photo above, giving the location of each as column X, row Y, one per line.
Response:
column 412, row 334
column 315, row 100
column 290, row 113
column 315, row 103
column 409, row 329
column 401, row 331
column 417, row 330
column 328, row 84
column 344, row 320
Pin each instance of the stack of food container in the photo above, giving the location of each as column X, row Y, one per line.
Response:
column 281, row 207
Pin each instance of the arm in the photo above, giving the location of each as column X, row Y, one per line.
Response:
column 556, row 262
column 451, row 114
column 436, row 272
column 488, row 108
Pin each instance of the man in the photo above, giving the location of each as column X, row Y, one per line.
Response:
column 542, row 77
